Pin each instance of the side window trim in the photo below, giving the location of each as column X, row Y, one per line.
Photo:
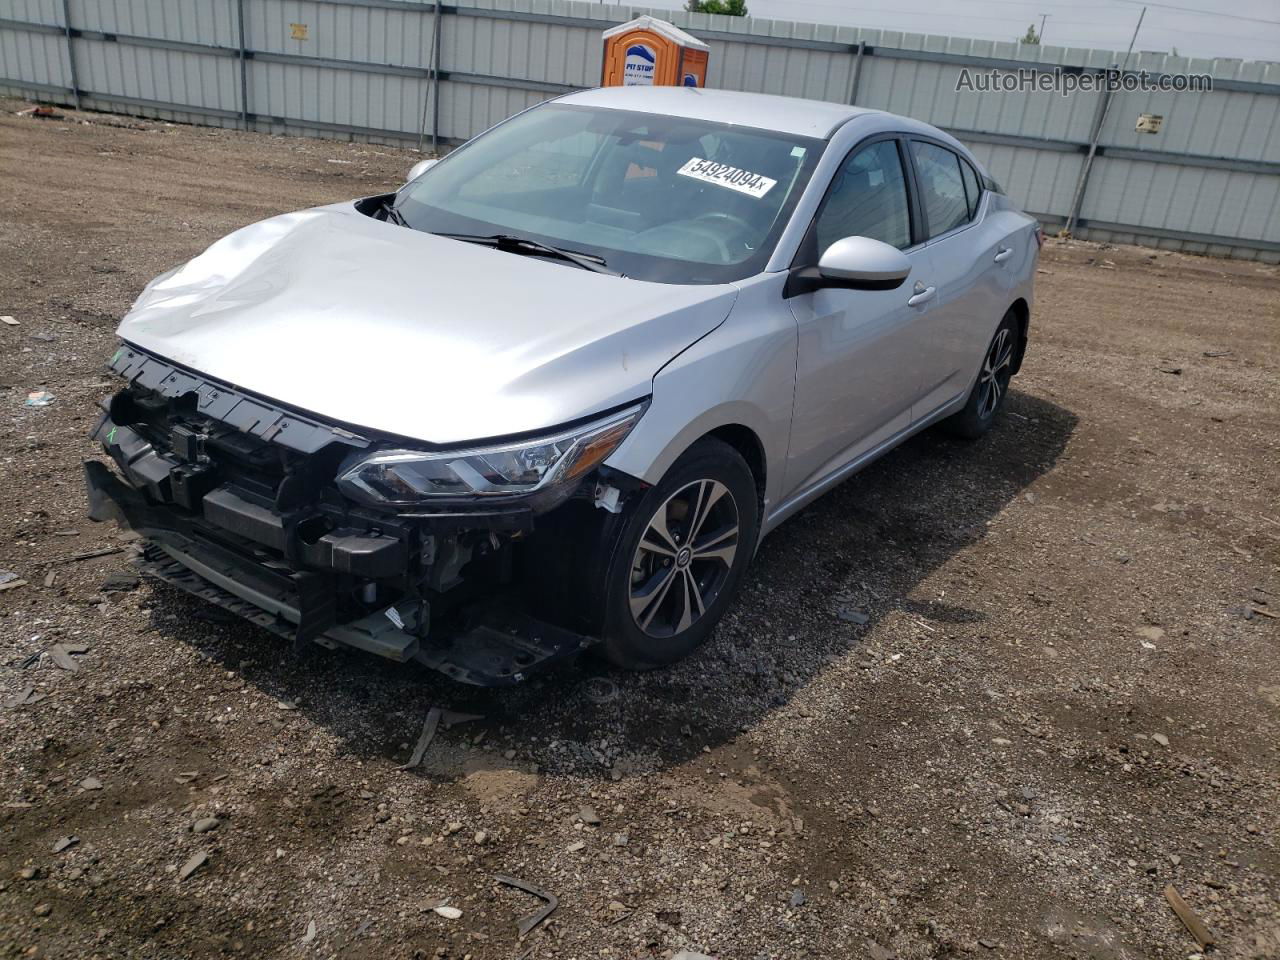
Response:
column 977, row 180
column 807, row 253
column 920, row 218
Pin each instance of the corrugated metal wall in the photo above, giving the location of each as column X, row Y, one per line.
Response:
column 1208, row 181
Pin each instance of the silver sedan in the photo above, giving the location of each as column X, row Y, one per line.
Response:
column 553, row 392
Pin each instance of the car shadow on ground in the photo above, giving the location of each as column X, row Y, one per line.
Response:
column 817, row 586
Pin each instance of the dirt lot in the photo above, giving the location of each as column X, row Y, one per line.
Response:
column 1062, row 699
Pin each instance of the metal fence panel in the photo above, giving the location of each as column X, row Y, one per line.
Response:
column 325, row 95
column 156, row 74
column 400, row 36
column 47, row 12
column 467, row 109
column 34, row 59
column 1223, row 203
column 190, row 21
column 1042, row 180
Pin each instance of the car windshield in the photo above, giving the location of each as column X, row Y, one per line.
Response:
column 654, row 197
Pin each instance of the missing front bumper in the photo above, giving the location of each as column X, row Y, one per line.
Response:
column 488, row 644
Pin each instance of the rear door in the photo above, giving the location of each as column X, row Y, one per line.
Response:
column 970, row 260
column 858, row 351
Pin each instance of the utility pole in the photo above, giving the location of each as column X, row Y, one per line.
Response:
column 1134, row 39
column 1104, row 107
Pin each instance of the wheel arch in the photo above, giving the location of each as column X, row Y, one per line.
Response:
column 759, row 435
column 745, row 440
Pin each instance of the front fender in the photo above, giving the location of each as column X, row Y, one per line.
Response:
column 741, row 374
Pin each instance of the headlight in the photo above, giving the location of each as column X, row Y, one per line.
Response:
column 545, row 467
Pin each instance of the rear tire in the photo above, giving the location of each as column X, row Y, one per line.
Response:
column 986, row 399
column 683, row 549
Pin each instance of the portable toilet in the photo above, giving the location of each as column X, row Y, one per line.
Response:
column 647, row 51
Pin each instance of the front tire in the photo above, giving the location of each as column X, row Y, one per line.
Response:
column 683, row 549
column 987, row 396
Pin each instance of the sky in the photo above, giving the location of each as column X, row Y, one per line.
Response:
column 1248, row 29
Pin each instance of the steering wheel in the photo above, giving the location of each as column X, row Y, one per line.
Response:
column 731, row 218
column 722, row 248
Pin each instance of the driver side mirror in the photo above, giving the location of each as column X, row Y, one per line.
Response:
column 421, row 167
column 860, row 263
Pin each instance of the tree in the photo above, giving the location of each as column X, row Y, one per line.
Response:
column 729, row 8
column 1030, row 36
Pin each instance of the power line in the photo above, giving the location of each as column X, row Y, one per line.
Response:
column 1206, row 13
column 959, row 16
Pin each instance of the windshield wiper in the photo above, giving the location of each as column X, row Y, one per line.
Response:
column 512, row 244
column 394, row 215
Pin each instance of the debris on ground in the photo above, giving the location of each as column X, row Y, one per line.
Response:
column 63, row 843
column 1195, row 926
column 600, row 689
column 21, row 698
column 850, row 615
column 535, row 918
column 451, row 718
column 798, row 899
column 10, row 580
column 196, row 861
column 39, row 398
column 90, row 783
column 449, row 913
column 64, row 655
column 90, row 555
column 311, row 932
column 11, row 321
column 120, row 582
column 429, row 727
column 41, row 113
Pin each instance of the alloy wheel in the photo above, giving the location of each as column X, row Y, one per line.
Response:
column 996, row 370
column 683, row 558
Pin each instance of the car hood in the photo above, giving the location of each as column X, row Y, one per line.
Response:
column 386, row 328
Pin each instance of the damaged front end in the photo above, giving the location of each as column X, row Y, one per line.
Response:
column 334, row 536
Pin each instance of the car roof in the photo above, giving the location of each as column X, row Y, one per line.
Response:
column 803, row 118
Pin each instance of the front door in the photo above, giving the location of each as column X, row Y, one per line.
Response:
column 858, row 362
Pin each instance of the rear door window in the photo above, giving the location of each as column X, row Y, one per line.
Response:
column 942, row 191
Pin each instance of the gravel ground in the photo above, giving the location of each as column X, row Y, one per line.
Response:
column 1065, row 695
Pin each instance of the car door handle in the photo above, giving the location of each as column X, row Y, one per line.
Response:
column 1004, row 255
column 921, row 296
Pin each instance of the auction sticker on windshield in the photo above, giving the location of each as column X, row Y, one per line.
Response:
column 721, row 174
